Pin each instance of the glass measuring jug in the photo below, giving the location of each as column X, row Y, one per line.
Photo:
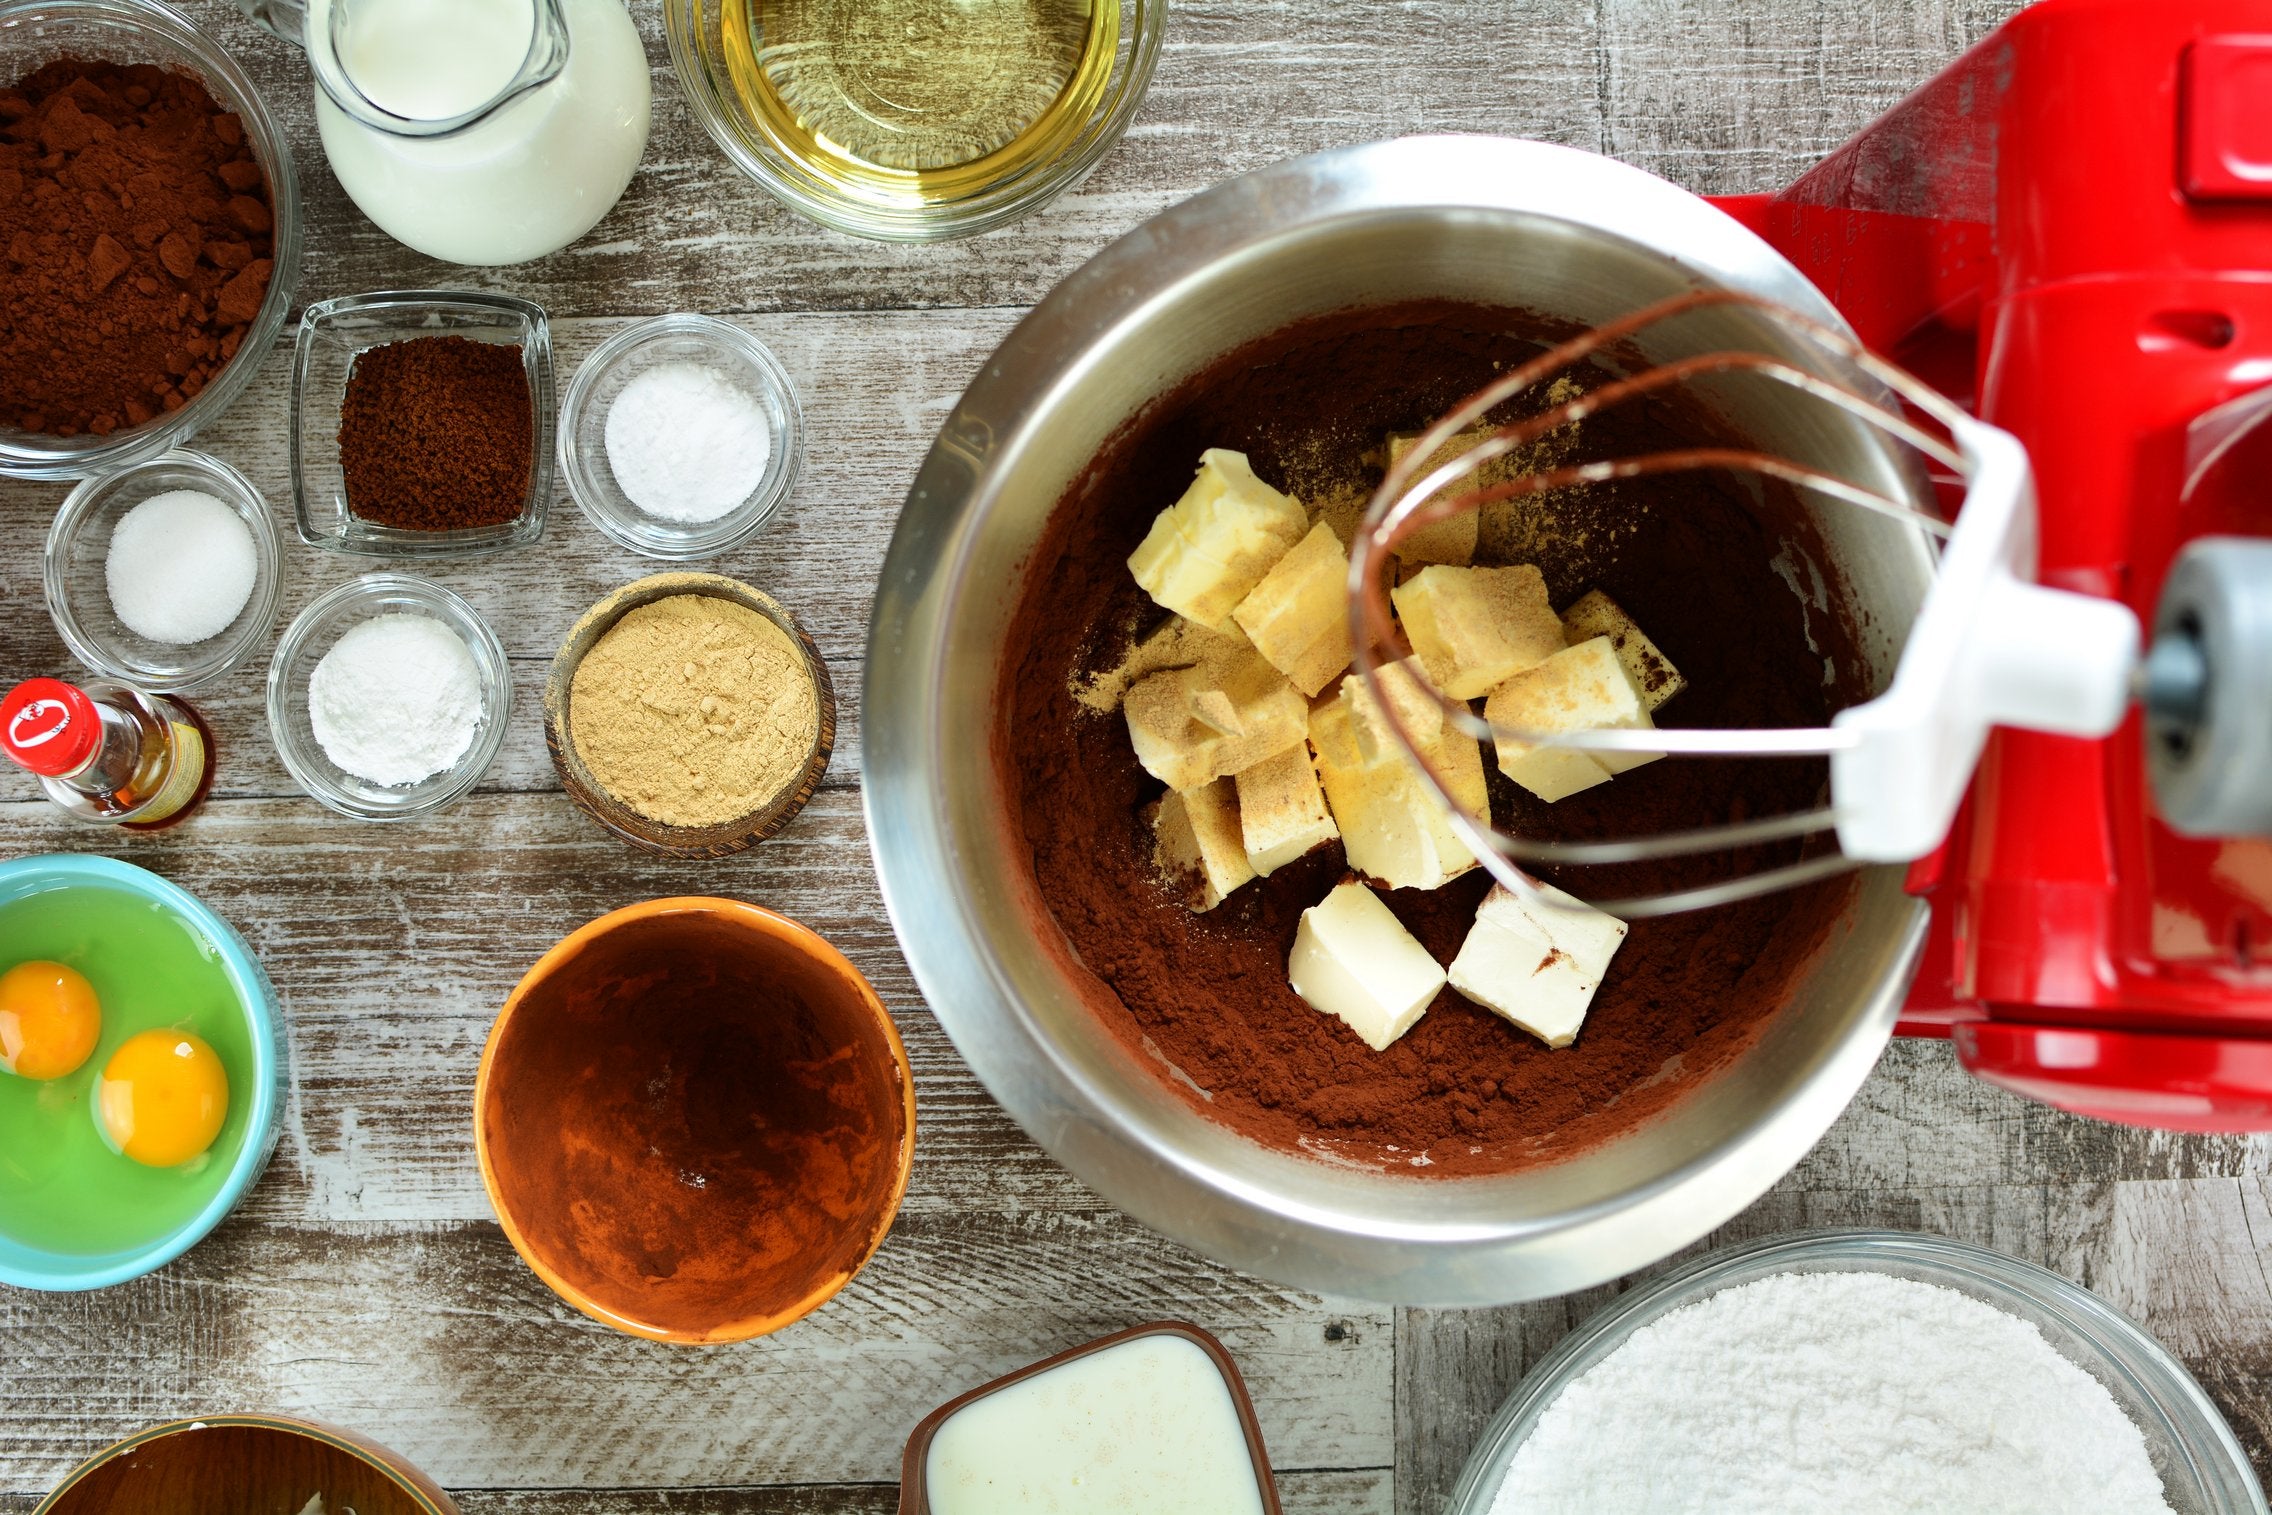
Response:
column 475, row 131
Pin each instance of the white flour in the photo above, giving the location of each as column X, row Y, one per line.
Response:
column 396, row 700
column 1851, row 1392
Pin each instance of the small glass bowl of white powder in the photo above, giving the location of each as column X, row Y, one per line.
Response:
column 388, row 697
column 680, row 436
column 164, row 574
column 1858, row 1370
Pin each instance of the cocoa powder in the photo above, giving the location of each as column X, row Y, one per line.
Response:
column 137, row 229
column 1204, row 998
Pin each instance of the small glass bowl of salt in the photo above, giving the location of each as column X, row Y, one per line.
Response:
column 680, row 436
column 164, row 574
column 388, row 697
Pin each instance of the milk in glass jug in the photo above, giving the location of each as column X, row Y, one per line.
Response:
column 476, row 131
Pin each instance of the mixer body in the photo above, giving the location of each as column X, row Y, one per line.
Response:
column 2070, row 231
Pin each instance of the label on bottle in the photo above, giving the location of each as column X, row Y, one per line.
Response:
column 180, row 786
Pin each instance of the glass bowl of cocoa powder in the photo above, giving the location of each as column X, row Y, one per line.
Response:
column 422, row 423
column 155, row 204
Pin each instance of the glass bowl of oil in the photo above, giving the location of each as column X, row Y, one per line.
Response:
column 910, row 121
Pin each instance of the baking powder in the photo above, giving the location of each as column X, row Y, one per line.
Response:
column 686, row 443
column 1802, row 1393
column 396, row 700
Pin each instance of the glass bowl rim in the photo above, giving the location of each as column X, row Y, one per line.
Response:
column 2197, row 1430
column 931, row 221
column 285, row 675
column 466, row 542
column 214, row 65
column 242, row 496
column 594, row 498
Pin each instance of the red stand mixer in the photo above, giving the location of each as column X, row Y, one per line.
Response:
column 2070, row 231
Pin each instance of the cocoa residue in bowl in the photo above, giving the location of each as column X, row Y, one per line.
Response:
column 137, row 227
column 1203, row 998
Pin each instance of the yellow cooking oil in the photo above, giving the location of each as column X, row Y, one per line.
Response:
column 921, row 100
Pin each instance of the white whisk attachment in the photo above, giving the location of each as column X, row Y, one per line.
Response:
column 1989, row 647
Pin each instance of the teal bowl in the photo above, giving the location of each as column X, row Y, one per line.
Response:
column 255, row 1086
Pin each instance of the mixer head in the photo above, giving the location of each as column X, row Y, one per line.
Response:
column 1989, row 647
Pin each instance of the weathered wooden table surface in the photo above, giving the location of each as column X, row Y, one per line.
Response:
column 365, row 1280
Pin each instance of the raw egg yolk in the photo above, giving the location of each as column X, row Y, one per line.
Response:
column 161, row 1098
column 49, row 1019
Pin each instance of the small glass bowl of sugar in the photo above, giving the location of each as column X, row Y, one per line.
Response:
column 680, row 436
column 165, row 573
column 412, row 709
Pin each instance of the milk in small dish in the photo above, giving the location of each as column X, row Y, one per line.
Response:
column 1147, row 1425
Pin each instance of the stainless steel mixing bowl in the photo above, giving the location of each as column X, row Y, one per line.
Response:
column 1471, row 218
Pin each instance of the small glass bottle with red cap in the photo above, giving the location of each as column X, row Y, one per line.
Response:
column 107, row 752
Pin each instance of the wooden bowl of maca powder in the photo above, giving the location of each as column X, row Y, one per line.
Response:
column 689, row 714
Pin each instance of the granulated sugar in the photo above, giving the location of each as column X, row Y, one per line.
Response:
column 1802, row 1393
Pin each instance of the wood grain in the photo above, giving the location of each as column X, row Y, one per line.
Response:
column 364, row 1280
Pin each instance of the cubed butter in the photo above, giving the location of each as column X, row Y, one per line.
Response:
column 1191, row 725
column 1475, row 628
column 1581, row 688
column 1595, row 614
column 1394, row 828
column 1174, row 643
column 1298, row 616
column 1453, row 539
column 1537, row 965
column 1208, row 550
column 1282, row 810
column 1354, row 960
column 1196, row 843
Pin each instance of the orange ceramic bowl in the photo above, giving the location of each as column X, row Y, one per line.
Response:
column 695, row 1119
column 240, row 1464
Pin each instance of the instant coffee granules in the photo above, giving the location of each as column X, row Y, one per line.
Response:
column 137, row 227
column 437, row 434
column 1205, row 999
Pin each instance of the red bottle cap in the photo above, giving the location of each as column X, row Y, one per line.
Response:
column 49, row 726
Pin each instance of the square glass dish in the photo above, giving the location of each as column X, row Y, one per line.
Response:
column 333, row 334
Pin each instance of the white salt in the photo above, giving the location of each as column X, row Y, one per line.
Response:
column 181, row 566
column 396, row 700
column 686, row 443
column 1802, row 1393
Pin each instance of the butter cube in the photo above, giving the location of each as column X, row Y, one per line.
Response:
column 1174, row 643
column 1353, row 959
column 1581, row 688
column 1456, row 757
column 1394, row 828
column 1537, row 966
column 1595, row 614
column 1451, row 540
column 1208, row 550
column 1475, row 628
column 1298, row 616
column 1196, row 843
column 1459, row 762
column 1192, row 725
column 1282, row 812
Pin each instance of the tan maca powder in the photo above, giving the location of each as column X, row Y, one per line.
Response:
column 694, row 710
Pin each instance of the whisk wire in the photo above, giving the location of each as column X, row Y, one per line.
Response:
column 1409, row 501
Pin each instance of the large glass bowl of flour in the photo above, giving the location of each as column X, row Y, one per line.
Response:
column 1725, row 1365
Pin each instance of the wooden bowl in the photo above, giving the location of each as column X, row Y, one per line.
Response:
column 637, row 829
column 695, row 1119
column 245, row 1465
